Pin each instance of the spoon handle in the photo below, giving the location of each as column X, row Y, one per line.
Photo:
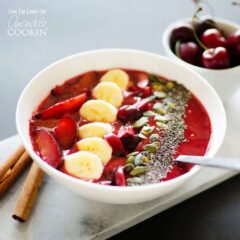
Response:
column 227, row 163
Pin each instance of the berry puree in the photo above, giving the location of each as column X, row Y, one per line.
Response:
column 120, row 127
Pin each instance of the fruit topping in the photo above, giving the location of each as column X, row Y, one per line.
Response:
column 66, row 132
column 83, row 165
column 98, row 111
column 115, row 142
column 61, row 108
column 212, row 38
column 119, row 177
column 47, row 148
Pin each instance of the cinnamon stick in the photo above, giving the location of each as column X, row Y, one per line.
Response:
column 20, row 164
column 11, row 160
column 28, row 194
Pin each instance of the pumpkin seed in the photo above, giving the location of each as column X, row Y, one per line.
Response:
column 159, row 94
column 141, row 135
column 151, row 98
column 157, row 144
column 162, row 125
column 161, row 118
column 150, row 148
column 145, row 159
column 140, row 122
column 154, row 137
column 138, row 160
column 170, row 85
column 133, row 154
column 128, row 167
column 170, row 105
column 130, row 159
column 147, row 130
column 149, row 114
column 138, row 171
column 158, row 107
column 134, row 180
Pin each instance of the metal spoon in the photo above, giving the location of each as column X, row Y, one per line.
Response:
column 227, row 163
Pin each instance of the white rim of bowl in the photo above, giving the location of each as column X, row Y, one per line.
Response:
column 47, row 168
column 166, row 40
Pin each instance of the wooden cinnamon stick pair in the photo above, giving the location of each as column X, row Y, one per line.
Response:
column 9, row 172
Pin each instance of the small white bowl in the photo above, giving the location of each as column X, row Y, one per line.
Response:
column 225, row 81
column 71, row 66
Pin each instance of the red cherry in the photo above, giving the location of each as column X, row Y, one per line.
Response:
column 47, row 147
column 119, row 176
column 215, row 58
column 115, row 142
column 233, row 46
column 66, row 132
column 58, row 109
column 126, row 131
column 142, row 105
column 204, row 24
column 189, row 52
column 128, row 113
column 182, row 32
column 212, row 38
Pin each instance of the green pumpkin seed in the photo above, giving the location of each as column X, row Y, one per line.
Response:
column 133, row 154
column 158, row 107
column 157, row 144
column 157, row 87
column 130, row 159
column 149, row 114
column 134, row 180
column 151, row 98
column 147, row 130
column 161, row 118
column 162, row 125
column 170, row 105
column 150, row 148
column 128, row 167
column 138, row 171
column 145, row 159
column 138, row 160
column 140, row 122
column 159, row 94
column 154, row 137
column 170, row 85
column 141, row 135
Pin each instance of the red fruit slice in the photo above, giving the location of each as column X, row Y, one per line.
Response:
column 108, row 172
column 119, row 176
column 143, row 83
column 116, row 144
column 128, row 113
column 65, row 132
column 142, row 105
column 58, row 109
column 125, row 131
column 47, row 148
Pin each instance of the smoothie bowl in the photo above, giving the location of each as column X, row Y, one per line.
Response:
column 109, row 124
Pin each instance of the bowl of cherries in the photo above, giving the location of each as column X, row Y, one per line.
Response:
column 209, row 46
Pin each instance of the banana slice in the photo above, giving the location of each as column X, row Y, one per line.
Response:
column 110, row 92
column 117, row 76
column 97, row 146
column 84, row 165
column 98, row 111
column 95, row 129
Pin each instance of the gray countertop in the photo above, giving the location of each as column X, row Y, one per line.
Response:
column 79, row 25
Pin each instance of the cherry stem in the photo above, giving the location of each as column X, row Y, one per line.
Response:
column 195, row 17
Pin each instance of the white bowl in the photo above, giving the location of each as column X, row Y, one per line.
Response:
column 71, row 66
column 225, row 81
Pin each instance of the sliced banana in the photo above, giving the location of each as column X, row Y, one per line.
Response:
column 98, row 111
column 110, row 92
column 95, row 129
column 117, row 76
column 97, row 146
column 84, row 165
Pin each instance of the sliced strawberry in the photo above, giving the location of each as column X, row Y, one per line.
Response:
column 47, row 148
column 66, row 132
column 58, row 109
column 116, row 144
column 119, row 177
column 142, row 105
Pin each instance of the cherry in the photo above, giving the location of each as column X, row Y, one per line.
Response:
column 201, row 25
column 233, row 46
column 142, row 105
column 115, row 142
column 215, row 58
column 119, row 177
column 128, row 113
column 182, row 32
column 189, row 52
column 212, row 38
